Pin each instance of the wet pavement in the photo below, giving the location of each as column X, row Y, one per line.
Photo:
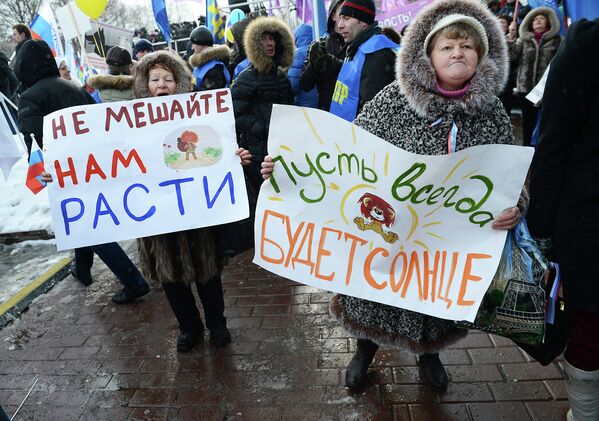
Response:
column 98, row 361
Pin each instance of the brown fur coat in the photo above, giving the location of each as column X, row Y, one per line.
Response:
column 185, row 256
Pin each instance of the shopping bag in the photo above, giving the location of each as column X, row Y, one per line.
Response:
column 514, row 304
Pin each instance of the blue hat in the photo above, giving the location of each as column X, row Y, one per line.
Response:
column 142, row 45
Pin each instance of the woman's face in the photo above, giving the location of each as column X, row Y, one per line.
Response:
column 540, row 23
column 269, row 44
column 454, row 61
column 161, row 82
column 65, row 72
column 504, row 25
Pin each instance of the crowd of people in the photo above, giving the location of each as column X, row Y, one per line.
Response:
column 449, row 82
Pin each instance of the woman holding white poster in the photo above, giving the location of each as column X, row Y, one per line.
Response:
column 452, row 63
column 180, row 259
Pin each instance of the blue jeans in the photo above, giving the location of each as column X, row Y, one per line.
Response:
column 115, row 258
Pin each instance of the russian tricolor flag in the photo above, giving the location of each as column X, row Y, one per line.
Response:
column 44, row 27
column 36, row 169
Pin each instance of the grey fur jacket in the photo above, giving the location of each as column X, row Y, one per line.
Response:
column 402, row 114
column 112, row 88
column 184, row 256
column 532, row 57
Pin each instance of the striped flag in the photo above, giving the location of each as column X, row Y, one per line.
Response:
column 35, row 170
column 214, row 21
column 43, row 26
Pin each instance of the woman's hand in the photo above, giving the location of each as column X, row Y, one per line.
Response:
column 46, row 177
column 267, row 167
column 511, row 35
column 244, row 155
column 508, row 219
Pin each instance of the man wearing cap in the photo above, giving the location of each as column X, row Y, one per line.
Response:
column 117, row 84
column 208, row 61
column 141, row 48
column 369, row 63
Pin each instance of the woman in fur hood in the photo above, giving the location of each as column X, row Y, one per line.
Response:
column 532, row 52
column 270, row 49
column 180, row 259
column 452, row 63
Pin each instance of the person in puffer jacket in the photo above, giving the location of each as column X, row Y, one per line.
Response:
column 303, row 39
column 269, row 46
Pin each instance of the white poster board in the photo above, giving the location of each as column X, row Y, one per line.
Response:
column 73, row 22
column 348, row 212
column 143, row 167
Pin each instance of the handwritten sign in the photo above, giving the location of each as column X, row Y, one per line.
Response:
column 348, row 212
column 149, row 166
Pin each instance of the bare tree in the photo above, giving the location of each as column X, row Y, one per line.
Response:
column 124, row 15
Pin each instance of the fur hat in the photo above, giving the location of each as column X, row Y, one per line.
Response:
column 415, row 73
column 252, row 40
column 170, row 60
column 363, row 10
column 459, row 18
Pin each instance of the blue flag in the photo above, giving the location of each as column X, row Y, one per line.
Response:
column 320, row 17
column 578, row 9
column 214, row 21
column 159, row 7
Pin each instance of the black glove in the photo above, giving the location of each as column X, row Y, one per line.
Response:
column 317, row 49
column 324, row 63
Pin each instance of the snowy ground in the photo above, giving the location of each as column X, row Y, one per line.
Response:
column 20, row 209
column 21, row 263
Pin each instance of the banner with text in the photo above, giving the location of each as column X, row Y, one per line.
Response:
column 143, row 167
column 347, row 212
column 399, row 13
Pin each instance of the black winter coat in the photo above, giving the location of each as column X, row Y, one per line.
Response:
column 8, row 81
column 258, row 87
column 564, row 184
column 36, row 69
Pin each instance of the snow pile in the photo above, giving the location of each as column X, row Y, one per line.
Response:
column 20, row 209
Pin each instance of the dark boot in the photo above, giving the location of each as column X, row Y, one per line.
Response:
column 357, row 370
column 434, row 371
column 126, row 295
column 184, row 307
column 213, row 302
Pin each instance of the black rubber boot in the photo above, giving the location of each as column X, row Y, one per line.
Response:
column 434, row 371
column 357, row 370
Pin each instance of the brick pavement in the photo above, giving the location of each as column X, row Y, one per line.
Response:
column 97, row 361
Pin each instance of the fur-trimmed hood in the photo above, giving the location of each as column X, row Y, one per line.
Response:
column 181, row 72
column 525, row 30
column 285, row 48
column 118, row 82
column 216, row 52
column 416, row 75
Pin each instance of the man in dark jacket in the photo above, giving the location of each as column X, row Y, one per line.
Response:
column 269, row 45
column 320, row 77
column 47, row 93
column 8, row 81
column 564, row 192
column 369, row 63
column 208, row 61
column 20, row 34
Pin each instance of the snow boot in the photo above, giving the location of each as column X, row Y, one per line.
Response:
column 434, row 372
column 357, row 370
column 583, row 393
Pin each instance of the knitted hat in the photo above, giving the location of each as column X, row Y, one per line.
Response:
column 363, row 10
column 455, row 18
column 142, row 45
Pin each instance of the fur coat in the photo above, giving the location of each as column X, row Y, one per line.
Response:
column 112, row 88
column 402, row 114
column 215, row 77
column 184, row 256
column 533, row 58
